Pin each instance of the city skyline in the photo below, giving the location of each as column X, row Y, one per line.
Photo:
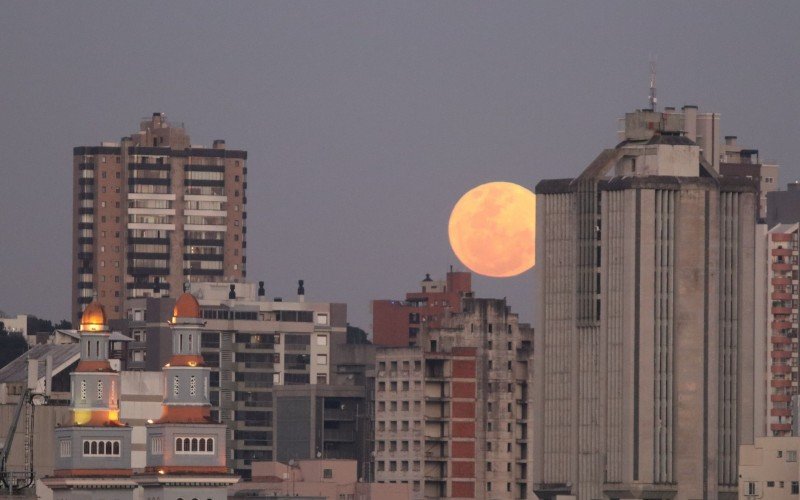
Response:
column 353, row 113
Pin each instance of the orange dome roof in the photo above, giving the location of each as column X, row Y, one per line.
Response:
column 93, row 318
column 186, row 307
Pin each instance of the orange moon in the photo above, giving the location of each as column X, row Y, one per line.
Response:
column 493, row 229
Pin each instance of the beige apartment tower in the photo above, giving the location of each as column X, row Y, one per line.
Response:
column 152, row 212
column 644, row 345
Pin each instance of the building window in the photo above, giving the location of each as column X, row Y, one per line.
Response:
column 157, row 445
column 83, row 389
column 192, row 385
column 327, row 473
column 99, row 389
column 791, row 456
column 194, row 445
column 176, row 386
column 322, row 340
column 322, row 319
column 101, row 448
column 795, row 487
column 66, row 448
column 770, row 484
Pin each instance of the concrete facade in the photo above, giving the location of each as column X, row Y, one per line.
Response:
column 737, row 161
column 153, row 211
column 769, row 469
column 644, row 348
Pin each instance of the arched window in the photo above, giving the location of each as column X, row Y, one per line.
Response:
column 116, row 447
column 202, row 444
column 179, row 444
column 86, row 448
column 94, row 448
column 210, row 445
column 194, row 444
column 109, row 448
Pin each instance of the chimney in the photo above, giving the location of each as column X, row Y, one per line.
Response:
column 261, row 291
column 232, row 293
column 301, row 291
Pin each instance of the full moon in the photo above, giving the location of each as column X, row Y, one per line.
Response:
column 493, row 229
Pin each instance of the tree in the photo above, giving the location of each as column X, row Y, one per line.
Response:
column 356, row 335
column 12, row 345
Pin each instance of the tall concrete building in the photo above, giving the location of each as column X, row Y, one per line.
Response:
column 644, row 347
column 452, row 414
column 153, row 211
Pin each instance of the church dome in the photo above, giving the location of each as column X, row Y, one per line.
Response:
column 186, row 307
column 93, row 318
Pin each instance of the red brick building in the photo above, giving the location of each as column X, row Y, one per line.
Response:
column 398, row 323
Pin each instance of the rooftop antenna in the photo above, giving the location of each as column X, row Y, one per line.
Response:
column 653, row 99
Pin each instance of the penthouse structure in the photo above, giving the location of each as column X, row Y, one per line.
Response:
column 153, row 211
column 452, row 414
column 644, row 349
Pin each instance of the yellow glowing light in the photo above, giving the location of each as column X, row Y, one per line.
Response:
column 492, row 229
column 149, row 420
column 161, row 471
column 113, row 415
column 82, row 416
column 192, row 363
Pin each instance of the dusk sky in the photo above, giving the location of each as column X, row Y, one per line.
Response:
column 364, row 121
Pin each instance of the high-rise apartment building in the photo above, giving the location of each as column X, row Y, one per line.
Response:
column 780, row 352
column 153, row 211
column 644, row 347
column 452, row 414
column 398, row 323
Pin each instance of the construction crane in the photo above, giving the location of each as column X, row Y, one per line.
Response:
column 15, row 480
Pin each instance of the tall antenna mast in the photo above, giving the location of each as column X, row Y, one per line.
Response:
column 653, row 98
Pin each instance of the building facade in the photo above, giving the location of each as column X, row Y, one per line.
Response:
column 737, row 161
column 452, row 414
column 153, row 211
column 186, row 448
column 398, row 323
column 769, row 470
column 93, row 452
column 644, row 348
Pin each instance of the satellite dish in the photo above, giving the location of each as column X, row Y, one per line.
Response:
column 38, row 399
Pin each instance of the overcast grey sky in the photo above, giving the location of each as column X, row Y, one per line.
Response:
column 364, row 121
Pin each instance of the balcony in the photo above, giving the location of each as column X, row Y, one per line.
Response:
column 781, row 412
column 781, row 281
column 781, row 354
column 780, row 383
column 780, row 369
column 780, row 398
column 781, row 251
column 781, row 267
column 781, row 310
column 781, row 296
column 780, row 427
column 780, row 339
